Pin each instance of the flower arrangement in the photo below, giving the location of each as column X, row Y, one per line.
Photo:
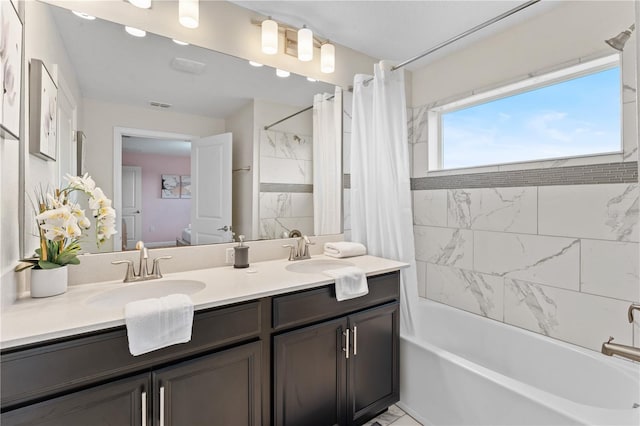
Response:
column 61, row 223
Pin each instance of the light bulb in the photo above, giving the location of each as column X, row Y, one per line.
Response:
column 282, row 73
column 255, row 64
column 84, row 15
column 305, row 44
column 136, row 32
column 181, row 43
column 142, row 4
column 269, row 37
column 327, row 58
column 189, row 13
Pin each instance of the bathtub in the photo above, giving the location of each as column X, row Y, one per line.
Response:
column 463, row 369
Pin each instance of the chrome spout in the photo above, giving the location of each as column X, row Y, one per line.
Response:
column 624, row 351
column 633, row 307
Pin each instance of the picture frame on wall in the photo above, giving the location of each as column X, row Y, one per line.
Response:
column 185, row 186
column 43, row 107
column 10, row 70
column 170, row 186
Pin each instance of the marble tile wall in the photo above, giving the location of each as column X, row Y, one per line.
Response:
column 557, row 260
column 347, row 102
column 281, row 212
column 285, row 158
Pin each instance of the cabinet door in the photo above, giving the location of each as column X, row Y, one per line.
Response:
column 310, row 375
column 222, row 388
column 123, row 402
column 374, row 363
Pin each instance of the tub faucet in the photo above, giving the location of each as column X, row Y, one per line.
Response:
column 143, row 270
column 624, row 351
column 633, row 307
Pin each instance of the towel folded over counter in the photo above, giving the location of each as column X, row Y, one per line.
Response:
column 344, row 249
column 157, row 323
column 351, row 282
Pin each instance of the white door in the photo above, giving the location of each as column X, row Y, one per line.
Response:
column 211, row 189
column 131, row 206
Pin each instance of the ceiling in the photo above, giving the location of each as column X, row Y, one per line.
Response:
column 397, row 30
column 157, row 146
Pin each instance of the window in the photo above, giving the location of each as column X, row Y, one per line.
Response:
column 572, row 112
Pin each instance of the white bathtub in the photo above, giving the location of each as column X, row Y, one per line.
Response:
column 463, row 369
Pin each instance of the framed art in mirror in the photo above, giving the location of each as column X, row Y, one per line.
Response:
column 10, row 71
column 43, row 106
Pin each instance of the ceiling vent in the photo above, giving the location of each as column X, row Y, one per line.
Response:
column 188, row 66
column 159, row 104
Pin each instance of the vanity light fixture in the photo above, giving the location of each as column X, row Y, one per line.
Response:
column 327, row 58
column 180, row 43
column 619, row 41
column 189, row 13
column 255, row 64
column 136, row 32
column 84, row 15
column 269, row 36
column 282, row 73
column 305, row 44
column 142, row 4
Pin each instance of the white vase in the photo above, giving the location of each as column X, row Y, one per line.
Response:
column 48, row 282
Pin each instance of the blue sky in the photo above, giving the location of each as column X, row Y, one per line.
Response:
column 576, row 117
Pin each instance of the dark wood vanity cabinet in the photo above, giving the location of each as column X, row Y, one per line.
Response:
column 339, row 372
column 277, row 360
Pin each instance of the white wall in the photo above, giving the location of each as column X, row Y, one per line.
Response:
column 557, row 260
column 100, row 118
column 241, row 125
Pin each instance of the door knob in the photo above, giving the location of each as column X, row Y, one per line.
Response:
column 137, row 211
column 224, row 228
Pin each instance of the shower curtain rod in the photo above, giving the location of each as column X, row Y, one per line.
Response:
column 294, row 114
column 462, row 35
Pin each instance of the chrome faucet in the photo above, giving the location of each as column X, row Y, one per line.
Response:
column 300, row 250
column 624, row 351
column 143, row 270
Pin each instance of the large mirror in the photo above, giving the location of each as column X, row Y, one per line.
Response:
column 176, row 135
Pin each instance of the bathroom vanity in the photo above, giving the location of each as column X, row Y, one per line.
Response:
column 290, row 356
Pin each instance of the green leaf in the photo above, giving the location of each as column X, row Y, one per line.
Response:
column 43, row 264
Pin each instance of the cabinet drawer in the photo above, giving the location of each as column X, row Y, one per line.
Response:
column 320, row 303
column 57, row 367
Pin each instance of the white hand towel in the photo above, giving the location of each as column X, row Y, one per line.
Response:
column 351, row 282
column 157, row 323
column 344, row 249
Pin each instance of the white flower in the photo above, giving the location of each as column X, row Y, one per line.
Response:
column 61, row 213
column 83, row 183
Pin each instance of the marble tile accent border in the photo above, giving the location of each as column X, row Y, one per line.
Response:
column 621, row 172
column 286, row 187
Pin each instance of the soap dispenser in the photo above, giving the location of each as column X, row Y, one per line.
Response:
column 241, row 254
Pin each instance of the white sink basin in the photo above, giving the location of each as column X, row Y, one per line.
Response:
column 119, row 297
column 315, row 266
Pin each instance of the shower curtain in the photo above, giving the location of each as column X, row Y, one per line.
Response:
column 327, row 147
column 381, row 212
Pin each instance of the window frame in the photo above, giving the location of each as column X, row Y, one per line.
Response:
column 533, row 81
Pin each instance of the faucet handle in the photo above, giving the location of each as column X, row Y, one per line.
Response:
column 155, row 270
column 292, row 251
column 307, row 243
column 633, row 307
column 129, row 275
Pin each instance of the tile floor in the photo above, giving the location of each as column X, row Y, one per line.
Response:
column 394, row 416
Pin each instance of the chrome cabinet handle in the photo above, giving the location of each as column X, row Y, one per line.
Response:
column 161, row 405
column 355, row 340
column 144, row 408
column 346, row 350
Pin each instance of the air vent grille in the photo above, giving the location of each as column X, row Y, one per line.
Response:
column 159, row 104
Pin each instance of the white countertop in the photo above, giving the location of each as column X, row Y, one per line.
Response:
column 33, row 320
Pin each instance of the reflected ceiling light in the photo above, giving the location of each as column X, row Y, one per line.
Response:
column 84, row 15
column 313, row 80
column 181, row 43
column 189, row 13
column 136, row 32
column 269, row 36
column 255, row 64
column 282, row 73
column 618, row 41
column 327, row 58
column 142, row 4
column 305, row 44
